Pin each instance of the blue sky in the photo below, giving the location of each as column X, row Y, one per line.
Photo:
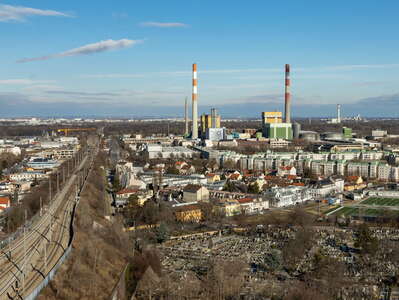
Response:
column 134, row 57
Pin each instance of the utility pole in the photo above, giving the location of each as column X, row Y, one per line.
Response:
column 58, row 182
column 23, row 267
column 49, row 186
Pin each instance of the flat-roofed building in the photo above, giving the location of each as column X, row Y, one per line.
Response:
column 272, row 117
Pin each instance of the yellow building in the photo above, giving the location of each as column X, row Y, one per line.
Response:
column 188, row 213
column 206, row 122
column 272, row 117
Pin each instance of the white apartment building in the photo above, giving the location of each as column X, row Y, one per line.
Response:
column 286, row 196
column 326, row 187
column 27, row 176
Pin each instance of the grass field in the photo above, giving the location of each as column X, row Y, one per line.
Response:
column 381, row 201
column 352, row 211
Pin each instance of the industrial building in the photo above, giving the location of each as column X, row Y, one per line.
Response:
column 210, row 126
column 347, row 132
column 210, row 121
column 272, row 124
column 278, row 131
column 272, row 117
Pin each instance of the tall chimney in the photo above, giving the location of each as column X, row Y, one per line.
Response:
column 287, row 95
column 338, row 113
column 186, row 117
column 194, row 133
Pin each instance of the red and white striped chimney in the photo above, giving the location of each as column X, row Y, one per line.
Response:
column 287, row 116
column 194, row 133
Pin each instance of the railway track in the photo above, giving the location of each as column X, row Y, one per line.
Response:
column 44, row 243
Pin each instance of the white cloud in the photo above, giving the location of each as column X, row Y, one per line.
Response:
column 102, row 46
column 9, row 13
column 163, row 24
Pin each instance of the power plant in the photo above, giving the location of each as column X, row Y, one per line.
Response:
column 273, row 126
column 194, row 133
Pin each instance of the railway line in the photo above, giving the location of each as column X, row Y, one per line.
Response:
column 27, row 261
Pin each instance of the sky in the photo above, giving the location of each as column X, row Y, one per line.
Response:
column 133, row 58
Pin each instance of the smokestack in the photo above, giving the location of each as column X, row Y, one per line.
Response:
column 338, row 113
column 213, row 117
column 194, row 133
column 287, row 95
column 186, row 117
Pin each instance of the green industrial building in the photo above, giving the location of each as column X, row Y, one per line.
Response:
column 277, row 131
column 346, row 132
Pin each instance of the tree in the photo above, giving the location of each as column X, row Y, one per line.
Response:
column 229, row 164
column 161, row 233
column 273, row 260
column 229, row 186
column 253, row 188
column 116, row 183
column 365, row 241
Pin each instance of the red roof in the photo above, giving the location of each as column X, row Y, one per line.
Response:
column 298, row 184
column 234, row 176
column 5, row 200
column 245, row 200
column 291, row 176
column 287, row 168
column 352, row 178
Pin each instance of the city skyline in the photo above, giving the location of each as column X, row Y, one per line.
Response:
column 131, row 59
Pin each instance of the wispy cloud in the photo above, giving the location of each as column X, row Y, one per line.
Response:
column 23, row 81
column 102, row 46
column 163, row 24
column 99, row 76
column 9, row 13
column 73, row 93
column 322, row 72
column 361, row 67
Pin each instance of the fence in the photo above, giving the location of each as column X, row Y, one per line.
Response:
column 50, row 275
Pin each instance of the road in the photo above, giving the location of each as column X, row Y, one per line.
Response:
column 44, row 243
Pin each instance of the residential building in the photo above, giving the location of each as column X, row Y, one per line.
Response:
column 188, row 212
column 195, row 193
column 28, row 176
column 286, row 196
column 228, row 207
column 252, row 206
column 4, row 203
column 326, row 187
column 286, row 171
